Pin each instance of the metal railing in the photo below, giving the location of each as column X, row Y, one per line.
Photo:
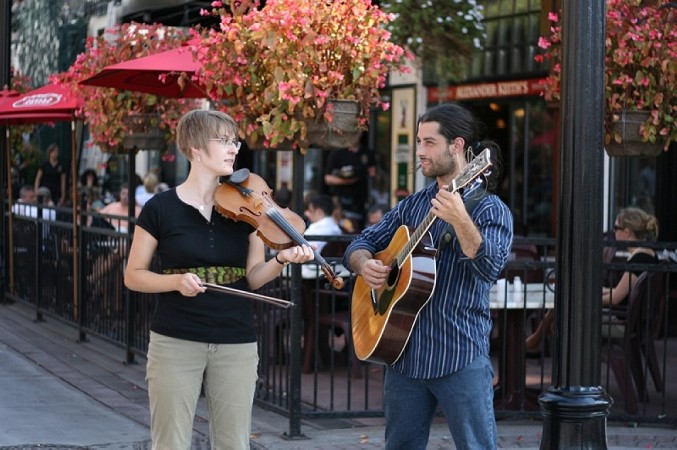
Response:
column 309, row 371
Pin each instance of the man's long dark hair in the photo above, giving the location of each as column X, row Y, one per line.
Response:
column 456, row 121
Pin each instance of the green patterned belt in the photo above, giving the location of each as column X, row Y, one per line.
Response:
column 220, row 275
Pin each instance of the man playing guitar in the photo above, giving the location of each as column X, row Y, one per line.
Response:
column 444, row 358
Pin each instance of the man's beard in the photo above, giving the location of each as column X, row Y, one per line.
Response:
column 439, row 168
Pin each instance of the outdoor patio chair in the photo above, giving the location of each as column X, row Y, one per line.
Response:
column 631, row 352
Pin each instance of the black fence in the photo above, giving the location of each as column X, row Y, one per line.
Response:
column 308, row 369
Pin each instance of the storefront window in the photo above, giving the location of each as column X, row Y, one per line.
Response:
column 525, row 130
column 512, row 39
column 633, row 183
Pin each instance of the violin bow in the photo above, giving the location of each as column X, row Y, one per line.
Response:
column 251, row 295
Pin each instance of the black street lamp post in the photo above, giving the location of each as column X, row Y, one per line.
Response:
column 575, row 407
column 5, row 38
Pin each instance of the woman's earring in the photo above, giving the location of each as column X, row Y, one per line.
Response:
column 199, row 159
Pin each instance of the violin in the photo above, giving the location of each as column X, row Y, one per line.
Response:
column 247, row 197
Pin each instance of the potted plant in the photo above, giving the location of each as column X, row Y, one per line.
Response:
column 277, row 70
column 640, row 75
column 114, row 115
column 442, row 34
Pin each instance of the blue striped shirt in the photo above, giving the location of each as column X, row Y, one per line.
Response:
column 453, row 328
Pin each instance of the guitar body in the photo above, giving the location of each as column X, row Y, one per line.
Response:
column 383, row 319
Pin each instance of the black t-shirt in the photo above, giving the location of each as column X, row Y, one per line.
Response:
column 642, row 258
column 51, row 178
column 639, row 258
column 186, row 240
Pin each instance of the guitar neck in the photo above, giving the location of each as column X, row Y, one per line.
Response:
column 418, row 234
column 471, row 171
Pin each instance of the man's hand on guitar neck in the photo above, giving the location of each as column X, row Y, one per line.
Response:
column 449, row 206
column 372, row 271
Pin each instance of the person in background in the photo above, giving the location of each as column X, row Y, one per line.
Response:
column 347, row 176
column 52, row 175
column 198, row 335
column 283, row 196
column 27, row 203
column 632, row 224
column 446, row 359
column 319, row 211
column 375, row 213
column 89, row 185
column 346, row 224
column 45, row 197
column 120, row 208
column 150, row 182
column 161, row 187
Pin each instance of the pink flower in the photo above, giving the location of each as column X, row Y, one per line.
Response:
column 544, row 43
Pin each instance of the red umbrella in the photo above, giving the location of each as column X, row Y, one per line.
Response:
column 48, row 99
column 158, row 74
column 50, row 103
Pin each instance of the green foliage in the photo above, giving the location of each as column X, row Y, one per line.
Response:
column 640, row 66
column 441, row 33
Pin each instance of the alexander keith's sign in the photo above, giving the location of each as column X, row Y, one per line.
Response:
column 498, row 89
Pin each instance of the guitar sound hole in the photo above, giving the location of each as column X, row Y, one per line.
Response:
column 393, row 276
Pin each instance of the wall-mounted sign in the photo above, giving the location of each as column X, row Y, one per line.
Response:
column 403, row 134
column 513, row 88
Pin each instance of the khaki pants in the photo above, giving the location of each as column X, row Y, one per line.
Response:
column 175, row 373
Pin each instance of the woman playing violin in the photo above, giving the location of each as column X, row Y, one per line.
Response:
column 198, row 335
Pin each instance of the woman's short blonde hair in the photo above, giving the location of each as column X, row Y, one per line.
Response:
column 198, row 126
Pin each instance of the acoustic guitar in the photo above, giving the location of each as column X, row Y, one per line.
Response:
column 384, row 318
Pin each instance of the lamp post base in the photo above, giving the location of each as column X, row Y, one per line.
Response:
column 574, row 418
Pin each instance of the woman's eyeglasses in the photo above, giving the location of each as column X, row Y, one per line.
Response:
column 618, row 227
column 226, row 142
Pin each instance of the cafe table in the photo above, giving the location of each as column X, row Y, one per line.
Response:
column 513, row 307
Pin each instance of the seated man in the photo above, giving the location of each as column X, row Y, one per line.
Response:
column 319, row 211
column 26, row 205
column 120, row 208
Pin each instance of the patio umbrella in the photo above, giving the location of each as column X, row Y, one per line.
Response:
column 158, row 74
column 49, row 103
column 48, row 99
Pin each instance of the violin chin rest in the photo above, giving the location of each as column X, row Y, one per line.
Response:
column 239, row 176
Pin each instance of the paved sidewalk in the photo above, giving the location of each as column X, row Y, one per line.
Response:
column 56, row 393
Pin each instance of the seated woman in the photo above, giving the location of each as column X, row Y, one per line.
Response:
column 632, row 224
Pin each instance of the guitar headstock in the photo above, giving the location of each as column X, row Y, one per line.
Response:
column 472, row 170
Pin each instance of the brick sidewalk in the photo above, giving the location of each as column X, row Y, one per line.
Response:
column 92, row 378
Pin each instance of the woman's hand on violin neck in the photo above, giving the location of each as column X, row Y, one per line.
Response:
column 298, row 254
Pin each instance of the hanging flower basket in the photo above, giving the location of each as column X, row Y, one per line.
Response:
column 143, row 133
column 275, row 68
column 627, row 130
column 106, row 110
column 639, row 72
